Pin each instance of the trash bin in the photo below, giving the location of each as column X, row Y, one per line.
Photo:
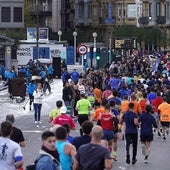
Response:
column 17, row 87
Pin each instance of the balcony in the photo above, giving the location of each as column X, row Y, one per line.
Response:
column 44, row 10
column 143, row 20
column 161, row 20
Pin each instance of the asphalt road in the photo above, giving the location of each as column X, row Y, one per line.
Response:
column 160, row 152
column 159, row 158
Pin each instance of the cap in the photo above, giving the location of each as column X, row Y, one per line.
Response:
column 63, row 109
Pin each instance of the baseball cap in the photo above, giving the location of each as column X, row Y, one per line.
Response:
column 63, row 109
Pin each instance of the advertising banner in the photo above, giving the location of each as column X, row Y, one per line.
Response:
column 31, row 34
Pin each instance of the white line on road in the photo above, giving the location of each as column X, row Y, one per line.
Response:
column 32, row 131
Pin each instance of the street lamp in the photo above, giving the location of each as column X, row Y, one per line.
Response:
column 75, row 35
column 94, row 48
column 59, row 35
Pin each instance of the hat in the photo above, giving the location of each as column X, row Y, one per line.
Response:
column 63, row 109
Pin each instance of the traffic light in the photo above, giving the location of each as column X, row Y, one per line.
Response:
column 98, row 54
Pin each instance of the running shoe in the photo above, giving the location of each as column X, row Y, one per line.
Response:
column 146, row 160
column 134, row 161
column 143, row 146
column 36, row 122
column 159, row 134
column 113, row 156
column 128, row 159
column 164, row 139
column 167, row 131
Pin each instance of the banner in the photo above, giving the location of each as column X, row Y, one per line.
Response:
column 31, row 34
column 43, row 34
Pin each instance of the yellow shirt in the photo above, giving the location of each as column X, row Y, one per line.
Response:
column 55, row 112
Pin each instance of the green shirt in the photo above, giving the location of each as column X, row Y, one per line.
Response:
column 83, row 106
column 55, row 112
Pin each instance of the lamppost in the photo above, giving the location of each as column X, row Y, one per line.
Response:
column 59, row 35
column 75, row 35
column 94, row 48
column 110, row 50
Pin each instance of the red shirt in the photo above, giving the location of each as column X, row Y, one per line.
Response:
column 156, row 102
column 64, row 119
column 107, row 121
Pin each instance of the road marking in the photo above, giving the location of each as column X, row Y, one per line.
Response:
column 32, row 131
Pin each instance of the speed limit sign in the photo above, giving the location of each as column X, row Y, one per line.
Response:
column 82, row 49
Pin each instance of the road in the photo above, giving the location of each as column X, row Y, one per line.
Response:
column 159, row 158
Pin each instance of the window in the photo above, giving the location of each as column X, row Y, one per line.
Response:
column 121, row 11
column 168, row 10
column 5, row 14
column 89, row 12
column 150, row 8
column 158, row 9
column 81, row 10
column 17, row 14
column 131, row 10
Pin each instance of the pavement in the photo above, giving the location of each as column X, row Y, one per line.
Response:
column 160, row 151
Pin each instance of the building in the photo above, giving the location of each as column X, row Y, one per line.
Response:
column 11, row 13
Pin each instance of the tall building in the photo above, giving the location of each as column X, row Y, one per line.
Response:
column 11, row 13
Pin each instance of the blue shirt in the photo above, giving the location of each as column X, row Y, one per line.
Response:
column 81, row 140
column 65, row 160
column 147, row 121
column 129, row 117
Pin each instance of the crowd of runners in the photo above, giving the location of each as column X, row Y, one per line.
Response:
column 126, row 100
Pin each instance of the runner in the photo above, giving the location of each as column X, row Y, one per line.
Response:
column 164, row 110
column 147, row 121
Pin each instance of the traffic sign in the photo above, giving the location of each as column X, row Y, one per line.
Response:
column 82, row 49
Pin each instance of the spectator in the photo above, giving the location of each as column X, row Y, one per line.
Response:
column 38, row 95
column 48, row 155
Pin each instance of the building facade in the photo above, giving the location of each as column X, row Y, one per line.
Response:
column 101, row 16
column 11, row 13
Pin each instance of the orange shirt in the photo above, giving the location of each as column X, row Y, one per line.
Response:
column 98, row 94
column 124, row 106
column 164, row 109
column 137, row 108
column 97, row 112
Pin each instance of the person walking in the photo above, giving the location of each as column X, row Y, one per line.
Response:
column 147, row 121
column 38, row 96
column 30, row 90
column 11, row 157
column 93, row 156
column 67, row 94
column 48, row 155
column 131, row 132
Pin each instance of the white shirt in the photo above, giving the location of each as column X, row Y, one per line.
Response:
column 9, row 150
column 38, row 96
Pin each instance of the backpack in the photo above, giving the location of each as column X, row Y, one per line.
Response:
column 33, row 166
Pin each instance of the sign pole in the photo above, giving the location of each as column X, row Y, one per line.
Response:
column 82, row 62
